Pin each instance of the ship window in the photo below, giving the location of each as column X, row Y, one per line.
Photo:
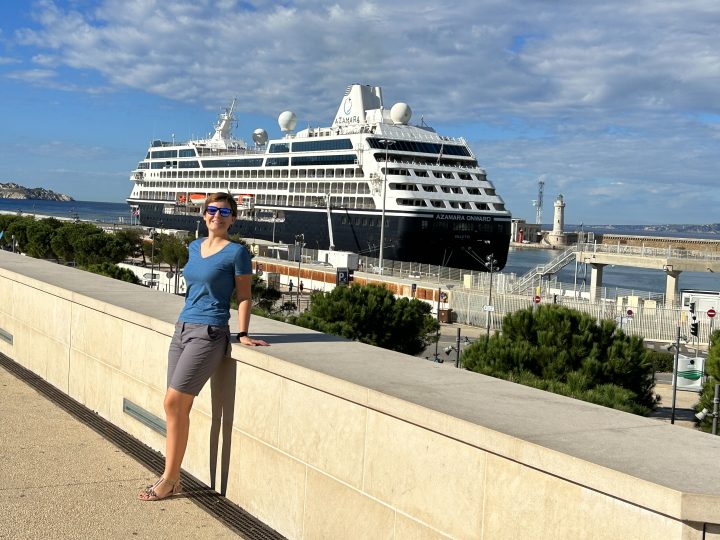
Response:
column 315, row 146
column 489, row 191
column 340, row 159
column 163, row 154
column 303, row 173
column 277, row 162
column 277, row 148
column 253, row 174
column 499, row 206
column 225, row 163
column 421, row 174
column 438, row 204
column 340, row 173
column 293, row 173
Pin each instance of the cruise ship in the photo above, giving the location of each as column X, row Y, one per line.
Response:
column 331, row 186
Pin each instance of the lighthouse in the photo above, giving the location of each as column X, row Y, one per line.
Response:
column 557, row 237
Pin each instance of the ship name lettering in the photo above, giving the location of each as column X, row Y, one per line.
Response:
column 347, row 119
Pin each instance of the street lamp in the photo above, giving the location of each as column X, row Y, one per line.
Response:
column 491, row 262
column 152, row 259
column 387, row 143
column 299, row 241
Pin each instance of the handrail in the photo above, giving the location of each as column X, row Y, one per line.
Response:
column 554, row 266
column 644, row 251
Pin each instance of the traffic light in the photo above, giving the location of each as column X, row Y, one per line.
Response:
column 694, row 326
column 692, row 307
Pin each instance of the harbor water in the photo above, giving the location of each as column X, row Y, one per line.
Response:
column 520, row 260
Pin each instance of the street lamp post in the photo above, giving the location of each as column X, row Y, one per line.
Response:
column 437, row 333
column 299, row 242
column 386, row 143
column 491, row 262
column 152, row 258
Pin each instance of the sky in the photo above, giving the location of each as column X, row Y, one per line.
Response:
column 614, row 104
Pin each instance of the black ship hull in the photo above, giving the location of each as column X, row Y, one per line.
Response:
column 443, row 239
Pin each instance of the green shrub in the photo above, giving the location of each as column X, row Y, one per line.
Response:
column 570, row 353
column 662, row 361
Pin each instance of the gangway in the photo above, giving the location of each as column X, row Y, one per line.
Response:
column 526, row 281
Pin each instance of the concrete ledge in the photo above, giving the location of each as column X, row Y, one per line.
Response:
column 316, row 423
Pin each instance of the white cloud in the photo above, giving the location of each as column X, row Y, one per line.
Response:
column 614, row 100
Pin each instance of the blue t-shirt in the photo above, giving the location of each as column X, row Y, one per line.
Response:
column 210, row 282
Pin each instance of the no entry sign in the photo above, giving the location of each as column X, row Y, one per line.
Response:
column 711, row 313
column 537, row 299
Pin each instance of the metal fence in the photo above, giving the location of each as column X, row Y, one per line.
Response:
column 469, row 295
column 657, row 324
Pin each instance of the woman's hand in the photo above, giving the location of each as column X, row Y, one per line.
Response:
column 250, row 342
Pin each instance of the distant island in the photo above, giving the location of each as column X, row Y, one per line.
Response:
column 12, row 190
column 711, row 228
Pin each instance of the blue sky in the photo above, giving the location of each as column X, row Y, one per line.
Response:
column 615, row 104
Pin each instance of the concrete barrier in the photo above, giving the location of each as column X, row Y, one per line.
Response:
column 324, row 438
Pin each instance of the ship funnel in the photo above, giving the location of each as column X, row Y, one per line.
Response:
column 357, row 100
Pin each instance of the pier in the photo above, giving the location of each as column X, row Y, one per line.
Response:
column 672, row 259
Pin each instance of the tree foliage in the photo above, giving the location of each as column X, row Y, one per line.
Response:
column 570, row 353
column 712, row 368
column 371, row 314
column 83, row 243
column 172, row 250
column 113, row 271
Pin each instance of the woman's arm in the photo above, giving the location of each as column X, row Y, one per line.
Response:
column 244, row 299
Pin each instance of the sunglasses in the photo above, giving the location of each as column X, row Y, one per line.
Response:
column 224, row 212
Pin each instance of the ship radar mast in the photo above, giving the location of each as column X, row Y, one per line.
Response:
column 223, row 128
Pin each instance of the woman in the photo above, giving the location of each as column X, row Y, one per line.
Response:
column 215, row 266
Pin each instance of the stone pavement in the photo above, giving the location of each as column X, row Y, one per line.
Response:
column 61, row 479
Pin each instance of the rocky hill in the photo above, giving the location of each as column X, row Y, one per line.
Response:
column 12, row 190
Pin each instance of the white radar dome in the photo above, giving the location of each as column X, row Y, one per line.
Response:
column 287, row 120
column 260, row 136
column 400, row 113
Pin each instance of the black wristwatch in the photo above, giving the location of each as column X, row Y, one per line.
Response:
column 241, row 335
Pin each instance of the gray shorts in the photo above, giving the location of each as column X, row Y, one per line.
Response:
column 196, row 350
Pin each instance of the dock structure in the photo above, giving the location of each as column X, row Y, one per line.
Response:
column 672, row 255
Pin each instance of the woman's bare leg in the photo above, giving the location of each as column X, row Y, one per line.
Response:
column 177, row 414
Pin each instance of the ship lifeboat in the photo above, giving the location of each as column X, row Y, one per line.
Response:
column 198, row 198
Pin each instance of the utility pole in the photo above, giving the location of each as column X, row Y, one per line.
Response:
column 387, row 143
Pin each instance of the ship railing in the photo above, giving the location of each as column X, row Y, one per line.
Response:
column 214, row 152
column 645, row 251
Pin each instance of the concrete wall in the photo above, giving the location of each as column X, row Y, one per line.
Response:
column 332, row 439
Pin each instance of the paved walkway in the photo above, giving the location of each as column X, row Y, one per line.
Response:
column 61, row 479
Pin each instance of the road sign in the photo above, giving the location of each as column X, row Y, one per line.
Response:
column 537, row 298
column 488, row 308
column 630, row 313
column 711, row 313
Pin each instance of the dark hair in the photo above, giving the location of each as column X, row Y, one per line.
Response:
column 222, row 197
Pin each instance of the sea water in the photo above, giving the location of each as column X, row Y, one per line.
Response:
column 520, row 260
column 105, row 212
